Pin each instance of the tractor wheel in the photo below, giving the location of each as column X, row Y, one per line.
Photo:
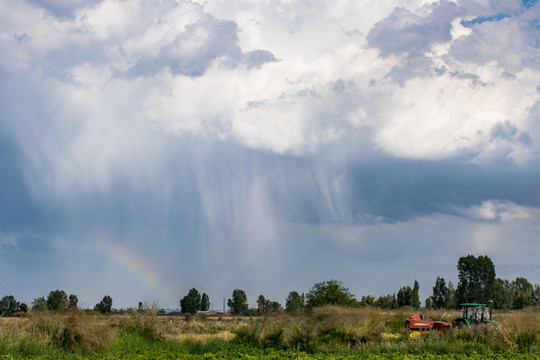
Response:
column 460, row 324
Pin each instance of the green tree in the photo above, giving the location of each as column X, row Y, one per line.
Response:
column 502, row 295
column 57, row 300
column 275, row 306
column 415, row 298
column 429, row 303
column 238, row 304
column 23, row 308
column 263, row 305
column 440, row 298
column 330, row 292
column 205, row 302
column 405, row 296
column 367, row 300
column 39, row 304
column 9, row 306
column 294, row 302
column 105, row 305
column 523, row 293
column 452, row 298
column 191, row 303
column 476, row 279
column 387, row 302
column 73, row 301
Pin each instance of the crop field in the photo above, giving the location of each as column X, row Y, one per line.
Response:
column 324, row 333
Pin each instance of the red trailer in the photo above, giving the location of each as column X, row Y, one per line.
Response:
column 419, row 324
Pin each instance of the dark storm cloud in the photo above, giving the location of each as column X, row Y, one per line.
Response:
column 17, row 209
column 206, row 178
column 403, row 190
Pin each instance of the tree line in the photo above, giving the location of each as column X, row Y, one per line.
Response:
column 57, row 301
column 477, row 283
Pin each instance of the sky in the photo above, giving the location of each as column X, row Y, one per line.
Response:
column 149, row 147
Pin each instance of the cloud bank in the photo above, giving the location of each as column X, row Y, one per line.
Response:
column 322, row 139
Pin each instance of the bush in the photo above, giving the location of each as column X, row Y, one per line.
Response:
column 302, row 339
column 273, row 337
column 335, row 335
column 142, row 325
column 246, row 335
column 74, row 332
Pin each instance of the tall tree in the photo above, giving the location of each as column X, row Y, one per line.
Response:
column 502, row 295
column 523, row 293
column 429, row 303
column 476, row 279
column 415, row 299
column 440, row 294
column 238, row 304
column 263, row 305
column 486, row 278
column 191, row 303
column 205, row 302
column 330, row 292
column 73, row 301
column 105, row 305
column 294, row 302
column 404, row 296
column 57, row 300
column 452, row 299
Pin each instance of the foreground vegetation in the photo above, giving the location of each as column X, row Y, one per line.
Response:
column 323, row 333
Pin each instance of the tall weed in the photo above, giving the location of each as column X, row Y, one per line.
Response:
column 75, row 331
column 143, row 325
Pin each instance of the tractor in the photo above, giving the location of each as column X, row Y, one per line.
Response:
column 419, row 324
column 474, row 314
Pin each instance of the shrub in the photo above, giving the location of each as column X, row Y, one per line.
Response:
column 273, row 337
column 338, row 336
column 142, row 325
column 246, row 335
column 302, row 339
column 74, row 332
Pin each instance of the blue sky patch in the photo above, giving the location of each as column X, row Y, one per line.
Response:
column 483, row 19
column 529, row 3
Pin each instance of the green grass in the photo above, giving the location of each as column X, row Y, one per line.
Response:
column 324, row 333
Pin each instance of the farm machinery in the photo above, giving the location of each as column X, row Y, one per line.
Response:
column 419, row 324
column 474, row 314
column 471, row 314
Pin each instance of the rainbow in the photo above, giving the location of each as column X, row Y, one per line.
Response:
column 138, row 266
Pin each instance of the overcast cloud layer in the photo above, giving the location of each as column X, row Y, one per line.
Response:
column 149, row 147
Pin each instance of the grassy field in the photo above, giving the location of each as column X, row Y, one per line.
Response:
column 324, row 333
